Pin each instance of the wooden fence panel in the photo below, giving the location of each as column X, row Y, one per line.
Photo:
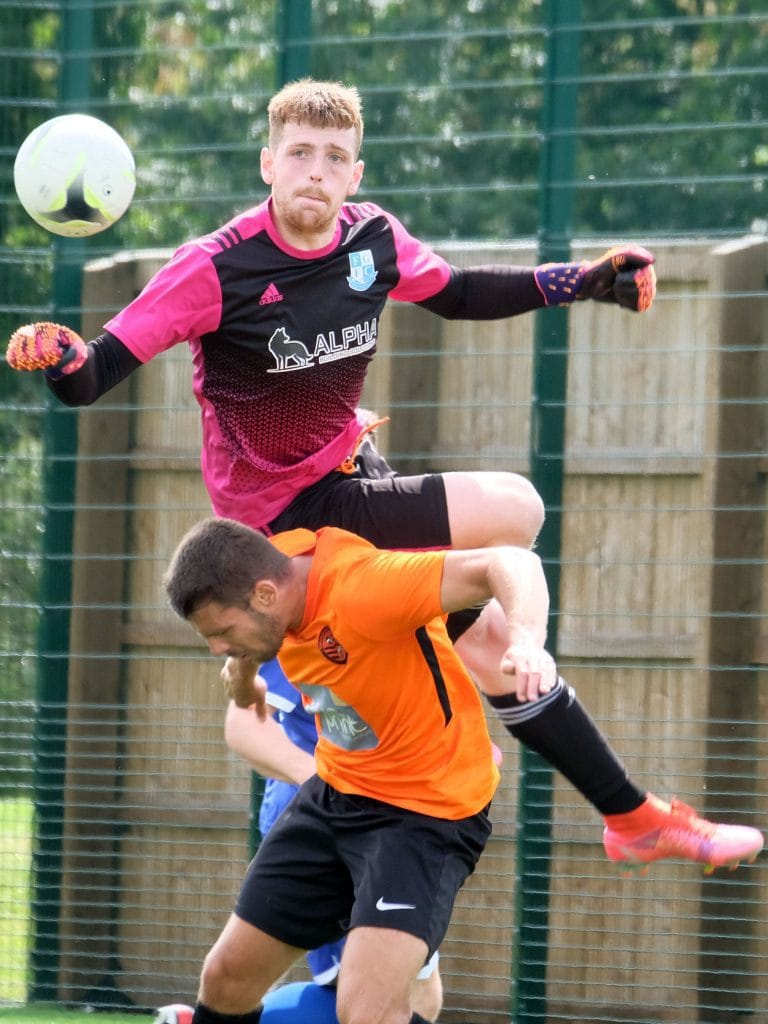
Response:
column 645, row 475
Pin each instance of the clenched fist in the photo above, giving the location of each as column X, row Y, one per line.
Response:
column 244, row 685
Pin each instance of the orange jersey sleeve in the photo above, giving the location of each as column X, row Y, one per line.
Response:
column 399, row 718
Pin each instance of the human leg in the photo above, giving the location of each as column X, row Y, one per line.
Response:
column 556, row 725
column 239, row 969
column 461, row 510
column 378, row 973
column 427, row 991
column 471, row 509
column 639, row 828
column 407, row 869
column 294, row 895
column 486, row 509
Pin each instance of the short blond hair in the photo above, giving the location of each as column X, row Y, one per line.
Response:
column 317, row 104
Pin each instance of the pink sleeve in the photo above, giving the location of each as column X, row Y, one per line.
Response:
column 422, row 272
column 180, row 303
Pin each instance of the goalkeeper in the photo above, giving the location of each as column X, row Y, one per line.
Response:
column 280, row 309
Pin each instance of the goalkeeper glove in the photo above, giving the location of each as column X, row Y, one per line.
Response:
column 623, row 275
column 45, row 346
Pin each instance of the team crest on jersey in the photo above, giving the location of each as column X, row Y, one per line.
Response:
column 362, row 270
column 330, row 647
column 288, row 353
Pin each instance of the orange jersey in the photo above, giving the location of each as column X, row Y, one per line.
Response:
column 399, row 718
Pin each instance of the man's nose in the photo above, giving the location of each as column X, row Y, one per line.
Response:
column 218, row 647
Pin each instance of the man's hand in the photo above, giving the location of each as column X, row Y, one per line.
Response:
column 46, row 346
column 623, row 275
column 534, row 669
column 244, row 685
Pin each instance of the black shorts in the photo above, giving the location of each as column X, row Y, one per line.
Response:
column 389, row 510
column 334, row 861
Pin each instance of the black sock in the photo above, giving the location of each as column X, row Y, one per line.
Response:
column 204, row 1015
column 416, row 1019
column 559, row 728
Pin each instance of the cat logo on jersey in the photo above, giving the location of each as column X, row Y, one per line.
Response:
column 362, row 270
column 330, row 647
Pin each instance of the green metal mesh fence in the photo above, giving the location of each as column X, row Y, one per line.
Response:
column 124, row 820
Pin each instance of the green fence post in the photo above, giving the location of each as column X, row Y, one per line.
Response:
column 59, row 455
column 550, row 368
column 294, row 29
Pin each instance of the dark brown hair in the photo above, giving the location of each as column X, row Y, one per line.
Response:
column 220, row 560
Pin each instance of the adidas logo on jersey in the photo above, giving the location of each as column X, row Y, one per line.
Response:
column 271, row 294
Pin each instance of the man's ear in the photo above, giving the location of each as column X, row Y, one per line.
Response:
column 357, row 177
column 263, row 595
column 266, row 165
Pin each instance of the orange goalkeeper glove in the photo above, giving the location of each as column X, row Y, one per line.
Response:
column 623, row 275
column 45, row 346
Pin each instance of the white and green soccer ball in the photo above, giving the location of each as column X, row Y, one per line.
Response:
column 74, row 175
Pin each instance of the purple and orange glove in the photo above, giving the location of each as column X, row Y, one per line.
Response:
column 45, row 346
column 623, row 275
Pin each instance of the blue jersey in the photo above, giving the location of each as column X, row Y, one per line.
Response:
column 297, row 724
column 300, row 727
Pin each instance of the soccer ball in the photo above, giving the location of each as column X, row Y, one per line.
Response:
column 175, row 1013
column 74, row 175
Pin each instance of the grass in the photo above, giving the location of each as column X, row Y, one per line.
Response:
column 44, row 1014
column 15, row 875
column 16, row 830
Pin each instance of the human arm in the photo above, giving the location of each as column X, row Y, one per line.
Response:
column 623, row 275
column 182, row 301
column 76, row 372
column 487, row 292
column 244, row 685
column 265, row 746
column 515, row 578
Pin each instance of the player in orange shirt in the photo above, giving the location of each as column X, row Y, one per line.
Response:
column 379, row 842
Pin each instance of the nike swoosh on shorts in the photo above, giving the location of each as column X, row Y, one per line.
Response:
column 381, row 904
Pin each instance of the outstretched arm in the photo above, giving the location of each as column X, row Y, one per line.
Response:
column 623, row 275
column 76, row 372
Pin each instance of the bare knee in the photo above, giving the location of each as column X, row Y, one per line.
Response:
column 216, row 979
column 524, row 512
column 531, row 511
column 225, row 988
column 486, row 509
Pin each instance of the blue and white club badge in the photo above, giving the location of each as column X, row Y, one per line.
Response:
column 362, row 270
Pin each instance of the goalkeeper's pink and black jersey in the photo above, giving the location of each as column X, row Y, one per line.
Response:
column 281, row 340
